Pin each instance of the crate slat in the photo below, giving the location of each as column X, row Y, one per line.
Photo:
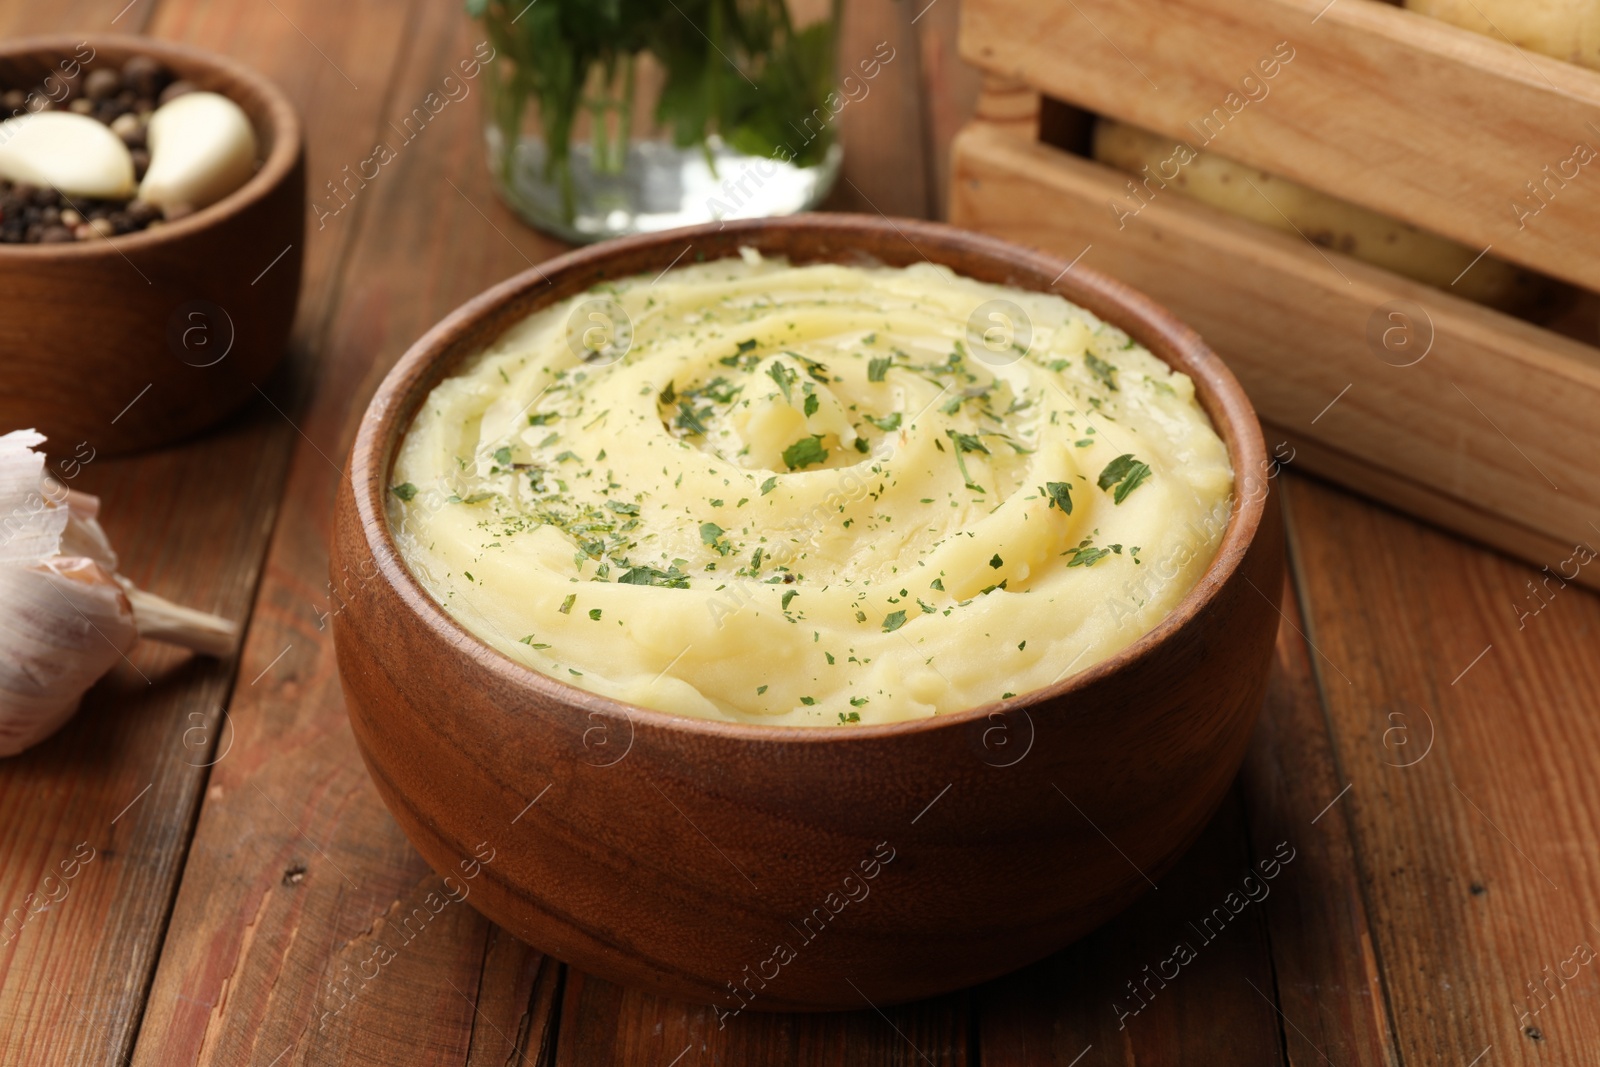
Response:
column 1401, row 113
column 1482, row 435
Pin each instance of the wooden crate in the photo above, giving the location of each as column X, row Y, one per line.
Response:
column 1495, row 431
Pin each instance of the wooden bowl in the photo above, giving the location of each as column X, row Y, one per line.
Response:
column 143, row 339
column 792, row 868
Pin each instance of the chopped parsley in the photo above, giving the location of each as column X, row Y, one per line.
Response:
column 805, row 452
column 1102, row 370
column 1086, row 555
column 784, row 377
column 712, row 535
column 893, row 621
column 566, row 605
column 594, row 613
column 1060, row 496
column 672, row 578
column 877, row 368
column 1125, row 473
column 405, row 491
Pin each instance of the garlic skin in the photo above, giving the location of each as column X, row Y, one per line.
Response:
column 68, row 152
column 66, row 623
column 202, row 147
column 66, row 616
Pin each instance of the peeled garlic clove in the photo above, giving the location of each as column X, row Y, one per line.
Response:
column 202, row 147
column 68, row 152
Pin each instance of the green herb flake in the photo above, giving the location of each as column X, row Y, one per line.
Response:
column 1086, row 556
column 1060, row 495
column 769, row 485
column 997, row 562
column 808, row 701
column 877, row 368
column 1106, row 372
column 566, row 605
column 674, row 578
column 893, row 621
column 594, row 613
column 1125, row 473
column 779, row 374
column 790, row 595
column 760, row 689
column 805, row 452
column 405, row 491
column 711, row 534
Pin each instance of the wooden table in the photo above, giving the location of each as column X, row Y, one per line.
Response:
column 1424, row 753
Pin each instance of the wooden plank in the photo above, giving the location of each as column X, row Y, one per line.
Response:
column 191, row 523
column 603, row 1025
column 950, row 87
column 885, row 167
column 1486, row 420
column 73, row 977
column 1475, row 836
column 1401, row 113
column 74, row 16
column 1096, row 1002
column 289, row 936
column 1328, row 986
column 1424, row 502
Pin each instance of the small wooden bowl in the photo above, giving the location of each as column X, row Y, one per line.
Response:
column 794, row 868
column 143, row 339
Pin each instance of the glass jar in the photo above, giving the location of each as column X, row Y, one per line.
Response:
column 609, row 117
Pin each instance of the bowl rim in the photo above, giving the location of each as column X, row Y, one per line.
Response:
column 401, row 392
column 286, row 132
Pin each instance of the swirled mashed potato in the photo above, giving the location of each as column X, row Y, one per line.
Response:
column 810, row 495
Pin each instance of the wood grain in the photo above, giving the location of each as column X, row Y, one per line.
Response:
column 882, row 133
column 1400, row 113
column 949, row 91
column 1086, row 1002
column 254, row 967
column 1485, row 425
column 1475, row 854
column 192, row 524
column 603, row 1025
column 1329, row 988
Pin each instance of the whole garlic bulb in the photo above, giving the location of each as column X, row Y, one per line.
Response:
column 66, row 615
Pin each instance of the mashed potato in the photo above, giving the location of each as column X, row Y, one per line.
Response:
column 814, row 495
